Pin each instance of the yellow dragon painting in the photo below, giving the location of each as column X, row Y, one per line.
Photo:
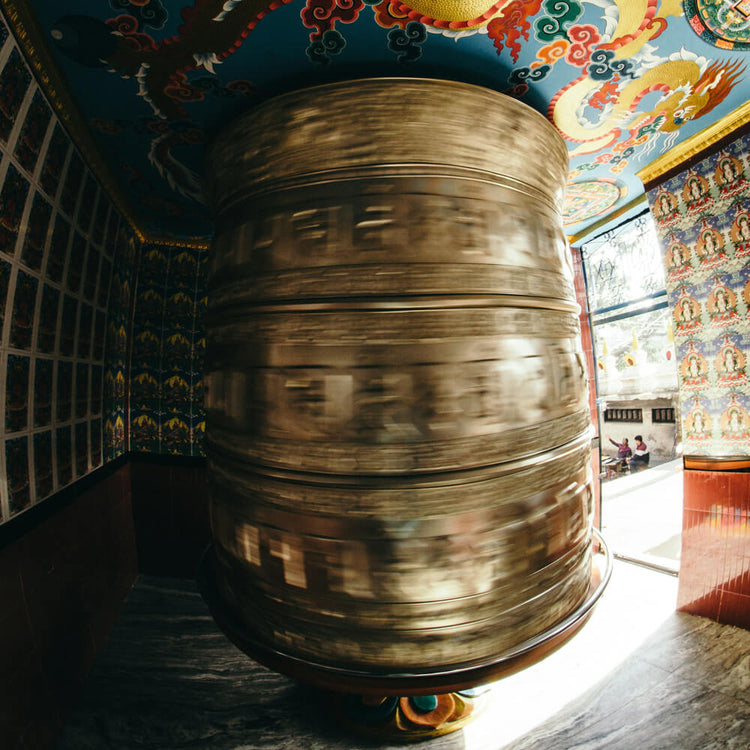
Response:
column 684, row 86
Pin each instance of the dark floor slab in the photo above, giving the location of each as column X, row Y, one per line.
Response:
column 168, row 679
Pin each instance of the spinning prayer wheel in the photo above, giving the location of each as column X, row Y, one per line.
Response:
column 397, row 419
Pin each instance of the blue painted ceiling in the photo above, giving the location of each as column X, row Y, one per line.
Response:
column 622, row 80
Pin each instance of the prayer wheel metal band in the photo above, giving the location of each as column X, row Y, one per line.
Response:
column 394, row 127
column 425, row 681
column 397, row 419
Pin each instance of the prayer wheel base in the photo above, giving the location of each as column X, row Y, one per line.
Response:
column 405, row 719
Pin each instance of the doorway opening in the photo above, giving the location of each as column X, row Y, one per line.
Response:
column 636, row 394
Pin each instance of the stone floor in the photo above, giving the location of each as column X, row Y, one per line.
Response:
column 638, row 676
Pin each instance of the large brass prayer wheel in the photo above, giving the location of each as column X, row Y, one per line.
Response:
column 398, row 426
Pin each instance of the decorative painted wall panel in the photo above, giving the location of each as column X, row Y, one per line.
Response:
column 166, row 386
column 61, row 244
column 117, row 327
column 703, row 219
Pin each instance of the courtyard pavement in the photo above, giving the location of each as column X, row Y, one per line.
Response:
column 642, row 515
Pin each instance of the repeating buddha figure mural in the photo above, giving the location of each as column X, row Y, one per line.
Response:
column 706, row 242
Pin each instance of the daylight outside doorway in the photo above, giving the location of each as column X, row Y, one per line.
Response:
column 637, row 394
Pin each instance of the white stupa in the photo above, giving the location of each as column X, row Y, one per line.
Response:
column 635, row 374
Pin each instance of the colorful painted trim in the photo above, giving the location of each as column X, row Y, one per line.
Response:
column 697, row 144
column 576, row 238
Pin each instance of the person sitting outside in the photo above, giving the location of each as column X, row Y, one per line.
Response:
column 624, row 452
column 641, row 455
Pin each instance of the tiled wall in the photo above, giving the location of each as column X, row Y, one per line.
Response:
column 166, row 376
column 703, row 220
column 66, row 265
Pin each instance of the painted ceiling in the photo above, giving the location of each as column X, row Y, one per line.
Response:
column 623, row 81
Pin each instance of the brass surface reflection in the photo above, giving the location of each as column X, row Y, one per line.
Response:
column 398, row 424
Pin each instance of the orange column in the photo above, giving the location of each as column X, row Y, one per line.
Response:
column 715, row 560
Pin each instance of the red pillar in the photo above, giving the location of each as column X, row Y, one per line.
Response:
column 587, row 343
column 715, row 560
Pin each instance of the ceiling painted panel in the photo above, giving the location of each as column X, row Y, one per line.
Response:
column 623, row 80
